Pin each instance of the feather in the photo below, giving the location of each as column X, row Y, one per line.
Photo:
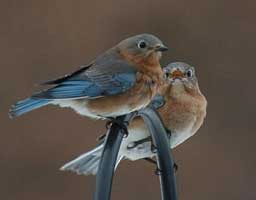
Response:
column 26, row 105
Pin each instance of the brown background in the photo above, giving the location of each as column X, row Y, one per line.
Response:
column 45, row 39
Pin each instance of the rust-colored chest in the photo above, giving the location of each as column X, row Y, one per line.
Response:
column 185, row 112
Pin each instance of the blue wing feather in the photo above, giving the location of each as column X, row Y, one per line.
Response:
column 70, row 89
column 85, row 88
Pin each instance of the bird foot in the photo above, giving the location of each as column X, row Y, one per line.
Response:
column 101, row 138
column 157, row 170
column 175, row 167
column 121, row 124
column 134, row 144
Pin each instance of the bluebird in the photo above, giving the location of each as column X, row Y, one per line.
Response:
column 182, row 108
column 123, row 79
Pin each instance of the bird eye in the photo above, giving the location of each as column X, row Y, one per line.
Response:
column 166, row 75
column 142, row 44
column 189, row 73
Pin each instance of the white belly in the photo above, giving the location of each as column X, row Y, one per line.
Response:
column 144, row 150
column 80, row 106
column 141, row 151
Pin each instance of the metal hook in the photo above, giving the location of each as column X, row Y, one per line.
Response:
column 111, row 148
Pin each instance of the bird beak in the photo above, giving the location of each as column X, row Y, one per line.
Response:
column 161, row 48
column 177, row 74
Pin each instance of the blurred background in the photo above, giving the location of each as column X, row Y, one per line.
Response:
column 45, row 39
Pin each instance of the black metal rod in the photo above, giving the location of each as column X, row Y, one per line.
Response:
column 108, row 159
column 164, row 157
column 111, row 148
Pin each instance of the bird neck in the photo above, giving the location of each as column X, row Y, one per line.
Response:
column 147, row 65
column 181, row 92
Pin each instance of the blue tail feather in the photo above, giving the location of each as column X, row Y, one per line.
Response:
column 27, row 105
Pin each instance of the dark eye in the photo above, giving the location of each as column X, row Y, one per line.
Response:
column 166, row 73
column 189, row 73
column 142, row 44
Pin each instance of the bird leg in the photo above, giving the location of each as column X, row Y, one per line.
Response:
column 138, row 142
column 109, row 123
column 101, row 138
column 134, row 144
column 122, row 125
column 157, row 170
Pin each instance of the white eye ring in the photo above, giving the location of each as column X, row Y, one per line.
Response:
column 142, row 44
column 189, row 73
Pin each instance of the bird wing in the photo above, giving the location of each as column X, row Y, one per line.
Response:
column 66, row 77
column 105, row 77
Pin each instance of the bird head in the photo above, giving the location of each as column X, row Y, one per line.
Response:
column 142, row 48
column 181, row 77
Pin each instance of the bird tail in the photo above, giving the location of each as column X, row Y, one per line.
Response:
column 26, row 105
column 87, row 163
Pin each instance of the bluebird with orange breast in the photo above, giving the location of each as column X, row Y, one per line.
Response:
column 123, row 79
column 182, row 108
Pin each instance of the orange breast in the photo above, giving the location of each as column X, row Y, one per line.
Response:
column 186, row 112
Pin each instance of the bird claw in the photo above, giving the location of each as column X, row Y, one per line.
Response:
column 175, row 167
column 157, row 171
column 131, row 145
column 169, row 133
column 138, row 142
column 108, row 124
column 153, row 148
column 101, row 138
column 122, row 125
